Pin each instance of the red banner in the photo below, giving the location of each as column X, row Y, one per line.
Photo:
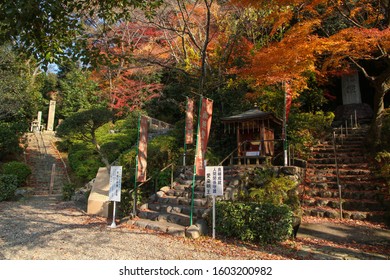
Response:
column 288, row 99
column 206, row 113
column 142, row 149
column 190, row 121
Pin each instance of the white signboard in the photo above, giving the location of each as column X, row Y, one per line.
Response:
column 214, row 180
column 115, row 183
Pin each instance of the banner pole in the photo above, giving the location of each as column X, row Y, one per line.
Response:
column 284, row 125
column 185, row 136
column 136, row 168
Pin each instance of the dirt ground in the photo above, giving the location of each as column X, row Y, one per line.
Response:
column 46, row 228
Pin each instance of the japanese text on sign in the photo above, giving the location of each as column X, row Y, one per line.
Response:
column 115, row 183
column 214, row 180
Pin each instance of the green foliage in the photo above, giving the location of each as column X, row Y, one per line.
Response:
column 18, row 88
column 264, row 223
column 115, row 138
column 52, row 30
column 84, row 161
column 77, row 91
column 269, row 187
column 8, row 186
column 68, row 191
column 19, row 169
column 305, row 129
column 163, row 150
column 9, row 140
column 83, row 125
column 269, row 100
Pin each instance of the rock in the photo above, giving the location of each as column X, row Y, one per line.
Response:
column 23, row 192
column 192, row 232
column 358, row 216
column 153, row 198
column 331, row 214
column 290, row 170
column 202, row 226
column 160, row 194
column 144, row 207
column 165, row 189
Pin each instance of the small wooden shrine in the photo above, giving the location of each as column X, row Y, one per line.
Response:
column 255, row 132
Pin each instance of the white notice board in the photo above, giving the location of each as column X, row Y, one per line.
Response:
column 214, row 180
column 115, row 183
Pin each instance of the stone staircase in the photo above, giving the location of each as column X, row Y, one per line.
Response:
column 362, row 193
column 169, row 210
column 49, row 173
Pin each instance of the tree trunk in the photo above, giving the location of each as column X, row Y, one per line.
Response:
column 382, row 86
column 101, row 154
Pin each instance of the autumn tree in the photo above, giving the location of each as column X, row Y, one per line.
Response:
column 52, row 30
column 127, row 81
column 187, row 28
column 327, row 38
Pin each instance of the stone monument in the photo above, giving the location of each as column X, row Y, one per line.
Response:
column 351, row 89
column 98, row 203
column 50, row 119
column 352, row 110
column 39, row 118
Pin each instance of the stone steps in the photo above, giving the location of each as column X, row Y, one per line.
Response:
column 362, row 193
column 169, row 209
column 327, row 212
column 41, row 155
column 346, row 194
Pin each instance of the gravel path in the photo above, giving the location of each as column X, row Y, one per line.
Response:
column 45, row 228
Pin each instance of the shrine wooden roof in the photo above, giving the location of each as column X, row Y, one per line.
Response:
column 253, row 114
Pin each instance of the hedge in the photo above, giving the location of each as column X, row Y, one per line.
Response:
column 264, row 223
column 19, row 169
column 8, row 186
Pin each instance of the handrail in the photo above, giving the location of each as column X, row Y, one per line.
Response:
column 162, row 170
column 231, row 154
column 337, row 175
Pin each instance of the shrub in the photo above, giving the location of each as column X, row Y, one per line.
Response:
column 84, row 161
column 19, row 169
column 269, row 187
column 68, row 191
column 9, row 142
column 305, row 129
column 8, row 185
column 264, row 223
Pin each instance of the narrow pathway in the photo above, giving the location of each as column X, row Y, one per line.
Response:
column 49, row 172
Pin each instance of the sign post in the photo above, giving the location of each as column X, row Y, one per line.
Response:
column 214, row 186
column 115, row 189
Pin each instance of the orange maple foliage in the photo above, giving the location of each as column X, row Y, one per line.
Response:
column 120, row 75
column 324, row 37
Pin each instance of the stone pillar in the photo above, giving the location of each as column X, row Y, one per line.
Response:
column 351, row 89
column 39, row 119
column 50, row 119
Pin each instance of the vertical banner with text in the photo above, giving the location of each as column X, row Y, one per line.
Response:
column 204, row 125
column 190, row 121
column 142, row 149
